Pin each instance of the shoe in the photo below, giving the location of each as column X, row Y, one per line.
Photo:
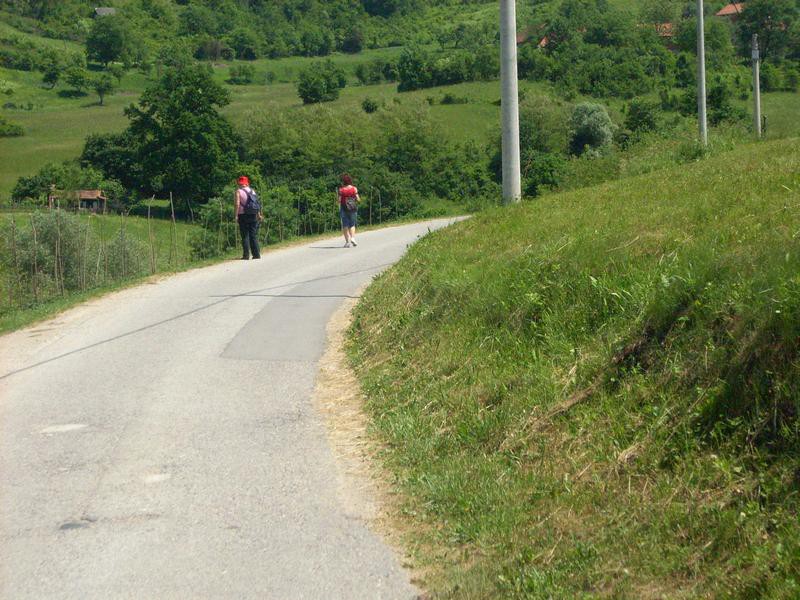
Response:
column 347, row 244
column 245, row 258
column 256, row 257
column 353, row 242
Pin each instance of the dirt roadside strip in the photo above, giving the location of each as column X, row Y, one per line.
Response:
column 364, row 488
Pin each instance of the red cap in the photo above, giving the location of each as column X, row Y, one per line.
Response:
column 244, row 180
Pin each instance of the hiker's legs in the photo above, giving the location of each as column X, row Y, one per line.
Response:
column 254, row 239
column 244, row 233
column 345, row 225
column 352, row 232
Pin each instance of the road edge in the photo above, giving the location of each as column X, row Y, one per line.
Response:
column 363, row 486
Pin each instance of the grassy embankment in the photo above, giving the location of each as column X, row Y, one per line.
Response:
column 596, row 394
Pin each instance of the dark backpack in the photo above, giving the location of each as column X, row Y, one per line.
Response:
column 252, row 206
column 350, row 203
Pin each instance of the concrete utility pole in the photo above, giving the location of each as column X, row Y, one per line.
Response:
column 756, row 87
column 512, row 187
column 701, row 73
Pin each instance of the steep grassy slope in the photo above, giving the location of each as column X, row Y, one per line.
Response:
column 597, row 394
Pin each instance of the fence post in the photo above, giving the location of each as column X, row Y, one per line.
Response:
column 219, row 228
column 85, row 253
column 35, row 260
column 59, row 272
column 173, row 242
column 124, row 249
column 150, row 239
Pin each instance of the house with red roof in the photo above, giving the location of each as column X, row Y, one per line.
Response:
column 731, row 11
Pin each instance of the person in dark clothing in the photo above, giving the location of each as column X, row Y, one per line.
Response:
column 248, row 223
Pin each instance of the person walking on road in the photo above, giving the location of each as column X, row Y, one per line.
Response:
column 247, row 209
column 348, row 210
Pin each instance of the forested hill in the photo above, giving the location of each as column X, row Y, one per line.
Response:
column 245, row 29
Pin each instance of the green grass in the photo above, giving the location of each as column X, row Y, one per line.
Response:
column 595, row 395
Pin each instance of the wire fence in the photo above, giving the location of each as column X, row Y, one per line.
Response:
column 52, row 253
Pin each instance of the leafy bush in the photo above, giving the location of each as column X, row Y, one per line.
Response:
column 103, row 86
column 642, row 116
column 591, row 129
column 376, row 71
column 369, row 105
column 241, row 74
column 321, row 82
column 9, row 129
column 77, row 78
column 418, row 69
column 59, row 252
column 450, row 98
column 65, row 176
column 245, row 43
column 108, row 40
column 353, row 41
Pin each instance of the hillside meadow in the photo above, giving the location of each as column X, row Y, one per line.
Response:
column 595, row 395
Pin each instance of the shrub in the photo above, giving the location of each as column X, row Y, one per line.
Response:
column 376, row 71
column 541, row 170
column 720, row 103
column 245, row 43
column 103, row 86
column 369, row 105
column 449, row 98
column 592, row 129
column 353, row 41
column 77, row 78
column 241, row 74
column 771, row 78
column 9, row 129
column 321, row 82
column 65, row 254
column 641, row 116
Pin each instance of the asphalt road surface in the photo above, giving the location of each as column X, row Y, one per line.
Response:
column 161, row 442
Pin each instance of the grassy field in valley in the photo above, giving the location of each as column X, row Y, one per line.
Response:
column 595, row 394
column 57, row 124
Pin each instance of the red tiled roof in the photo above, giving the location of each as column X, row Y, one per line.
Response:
column 731, row 10
column 90, row 195
column 665, row 29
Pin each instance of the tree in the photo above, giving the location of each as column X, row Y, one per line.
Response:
column 369, row 105
column 77, row 78
column 353, row 41
column 183, row 144
column 241, row 74
column 773, row 21
column 104, row 85
column 592, row 129
column 320, row 82
column 245, row 43
column 117, row 72
column 116, row 155
column 51, row 75
column 107, row 39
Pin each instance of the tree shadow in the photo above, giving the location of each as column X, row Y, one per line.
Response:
column 71, row 94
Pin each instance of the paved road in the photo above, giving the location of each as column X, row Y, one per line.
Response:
column 161, row 442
